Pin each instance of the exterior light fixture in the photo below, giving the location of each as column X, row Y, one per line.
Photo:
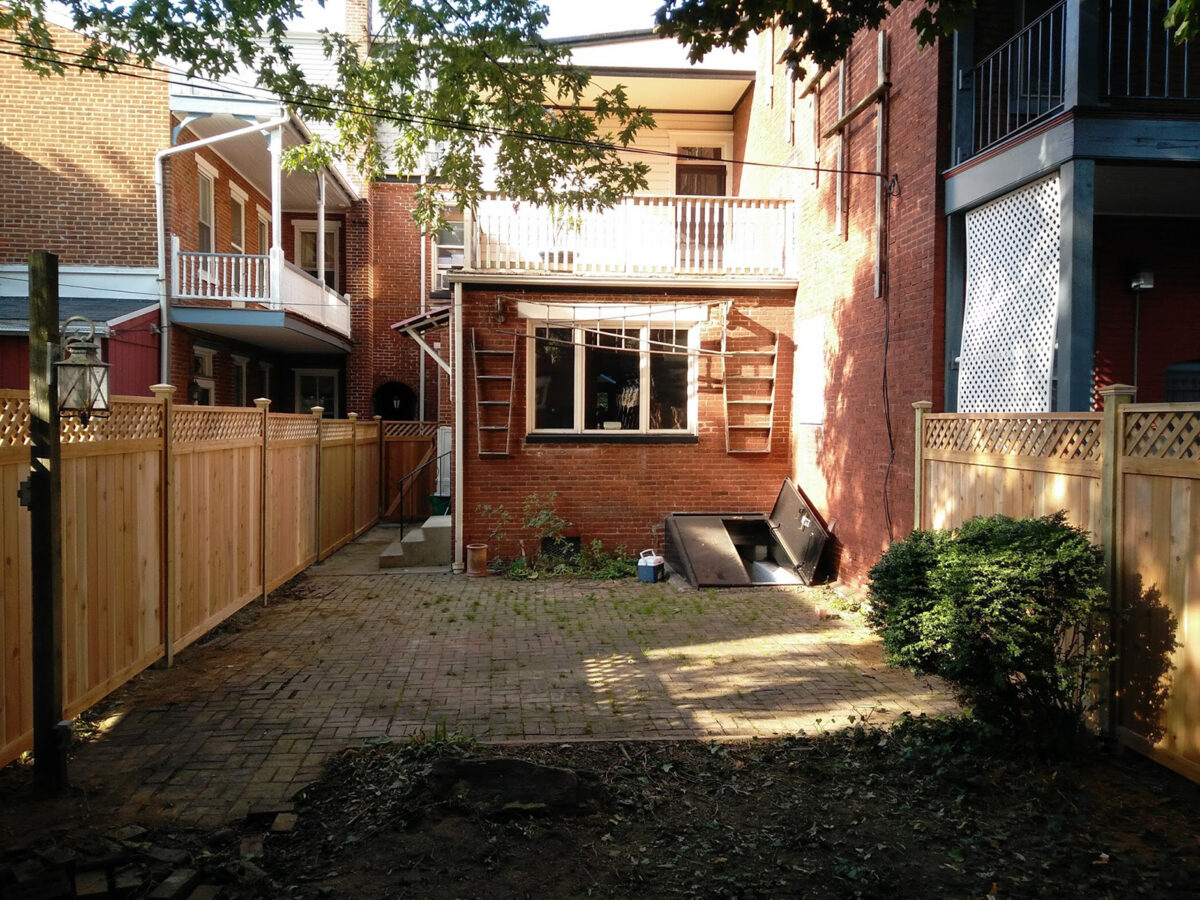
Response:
column 82, row 376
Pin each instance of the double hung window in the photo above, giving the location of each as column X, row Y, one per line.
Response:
column 604, row 376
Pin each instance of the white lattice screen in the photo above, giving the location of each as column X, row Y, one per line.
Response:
column 1007, row 357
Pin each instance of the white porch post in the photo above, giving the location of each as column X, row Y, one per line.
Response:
column 275, row 143
column 321, row 227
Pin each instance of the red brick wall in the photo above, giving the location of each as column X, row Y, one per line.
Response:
column 395, row 269
column 1169, row 322
column 843, row 462
column 619, row 493
column 77, row 163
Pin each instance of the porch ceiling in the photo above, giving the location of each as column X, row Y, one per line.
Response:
column 250, row 157
column 1148, row 191
column 272, row 329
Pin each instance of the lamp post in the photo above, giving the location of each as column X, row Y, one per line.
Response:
column 86, row 382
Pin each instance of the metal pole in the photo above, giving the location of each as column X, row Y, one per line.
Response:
column 51, row 735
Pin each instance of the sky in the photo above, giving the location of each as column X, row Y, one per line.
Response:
column 569, row 18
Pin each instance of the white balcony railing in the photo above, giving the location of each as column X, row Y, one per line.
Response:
column 241, row 279
column 641, row 236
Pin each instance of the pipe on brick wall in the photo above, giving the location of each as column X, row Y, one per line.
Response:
column 164, row 307
column 457, row 388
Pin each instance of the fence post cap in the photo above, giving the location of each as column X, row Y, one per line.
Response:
column 318, row 411
column 163, row 390
column 1110, row 389
column 353, row 417
column 262, row 402
column 923, row 404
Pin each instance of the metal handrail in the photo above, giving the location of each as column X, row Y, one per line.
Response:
column 404, row 482
column 1022, row 81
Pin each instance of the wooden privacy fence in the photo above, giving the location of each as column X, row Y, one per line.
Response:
column 1130, row 476
column 173, row 518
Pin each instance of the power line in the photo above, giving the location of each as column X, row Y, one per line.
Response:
column 385, row 115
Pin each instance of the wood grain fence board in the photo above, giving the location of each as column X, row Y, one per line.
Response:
column 292, row 544
column 16, row 626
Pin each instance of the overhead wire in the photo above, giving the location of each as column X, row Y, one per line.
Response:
column 386, row 115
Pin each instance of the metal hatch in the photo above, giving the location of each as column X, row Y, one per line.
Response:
column 798, row 531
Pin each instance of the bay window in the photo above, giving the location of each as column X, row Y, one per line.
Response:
column 608, row 376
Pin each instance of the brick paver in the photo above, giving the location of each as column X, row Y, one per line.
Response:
column 248, row 717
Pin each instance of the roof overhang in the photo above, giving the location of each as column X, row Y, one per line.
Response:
column 208, row 116
column 272, row 329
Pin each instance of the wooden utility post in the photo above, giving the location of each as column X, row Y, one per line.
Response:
column 51, row 735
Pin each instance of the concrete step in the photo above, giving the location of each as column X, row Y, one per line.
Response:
column 425, row 545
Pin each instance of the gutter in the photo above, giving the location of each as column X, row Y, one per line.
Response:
column 164, row 308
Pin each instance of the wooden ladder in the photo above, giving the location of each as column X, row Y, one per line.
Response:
column 749, row 389
column 493, row 396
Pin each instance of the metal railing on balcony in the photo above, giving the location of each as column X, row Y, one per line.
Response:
column 640, row 236
column 1142, row 60
column 240, row 279
column 1021, row 82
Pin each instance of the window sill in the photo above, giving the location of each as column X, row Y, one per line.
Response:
column 617, row 438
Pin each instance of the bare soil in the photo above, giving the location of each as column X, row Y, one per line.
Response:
column 925, row 809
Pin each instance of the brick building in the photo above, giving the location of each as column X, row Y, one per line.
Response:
column 1000, row 221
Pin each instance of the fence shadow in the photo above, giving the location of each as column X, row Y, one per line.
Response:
column 1147, row 645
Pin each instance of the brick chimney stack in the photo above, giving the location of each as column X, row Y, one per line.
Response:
column 358, row 24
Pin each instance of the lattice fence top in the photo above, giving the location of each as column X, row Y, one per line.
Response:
column 204, row 424
column 1011, row 316
column 129, row 419
column 409, row 429
column 14, row 419
column 1062, row 437
column 1162, row 433
column 337, row 431
column 289, row 427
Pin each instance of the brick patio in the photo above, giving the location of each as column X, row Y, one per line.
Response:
column 350, row 654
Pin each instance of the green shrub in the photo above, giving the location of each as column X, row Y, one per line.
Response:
column 1010, row 612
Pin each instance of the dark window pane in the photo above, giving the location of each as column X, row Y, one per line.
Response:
column 668, row 378
column 554, row 386
column 612, row 388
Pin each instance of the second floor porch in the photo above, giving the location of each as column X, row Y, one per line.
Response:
column 704, row 237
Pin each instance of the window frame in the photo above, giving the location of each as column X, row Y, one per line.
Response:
column 580, row 328
column 202, row 373
column 333, row 229
column 335, row 374
column 206, row 212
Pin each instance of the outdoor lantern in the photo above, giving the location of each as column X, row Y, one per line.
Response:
column 82, row 377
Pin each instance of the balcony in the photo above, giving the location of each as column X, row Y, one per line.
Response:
column 641, row 237
column 1040, row 71
column 243, row 281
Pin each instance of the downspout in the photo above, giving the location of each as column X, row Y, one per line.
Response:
column 423, row 292
column 164, row 307
column 457, row 388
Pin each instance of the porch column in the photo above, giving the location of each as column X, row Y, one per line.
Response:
column 956, row 292
column 275, row 144
column 1081, row 63
column 320, row 227
column 1076, row 287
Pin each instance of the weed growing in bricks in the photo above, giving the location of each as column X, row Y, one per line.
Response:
column 1009, row 611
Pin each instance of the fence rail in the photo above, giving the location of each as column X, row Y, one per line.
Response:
column 173, row 518
column 1131, row 476
column 644, row 235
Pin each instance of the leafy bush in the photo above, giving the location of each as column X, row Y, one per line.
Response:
column 1010, row 612
column 592, row 561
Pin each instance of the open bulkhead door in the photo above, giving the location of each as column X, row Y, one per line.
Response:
column 798, row 531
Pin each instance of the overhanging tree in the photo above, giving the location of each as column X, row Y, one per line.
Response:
column 823, row 30
column 471, row 77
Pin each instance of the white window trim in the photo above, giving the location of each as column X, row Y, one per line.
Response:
column 204, row 167
column 264, row 219
column 337, row 389
column 309, row 226
column 264, row 369
column 650, row 318
column 209, row 174
column 722, row 139
column 204, row 378
column 236, row 192
column 237, row 243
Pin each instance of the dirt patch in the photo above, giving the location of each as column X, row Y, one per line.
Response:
column 926, row 809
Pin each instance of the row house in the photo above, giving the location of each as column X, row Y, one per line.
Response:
column 203, row 263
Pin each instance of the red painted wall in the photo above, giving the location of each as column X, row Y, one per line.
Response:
column 1169, row 329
